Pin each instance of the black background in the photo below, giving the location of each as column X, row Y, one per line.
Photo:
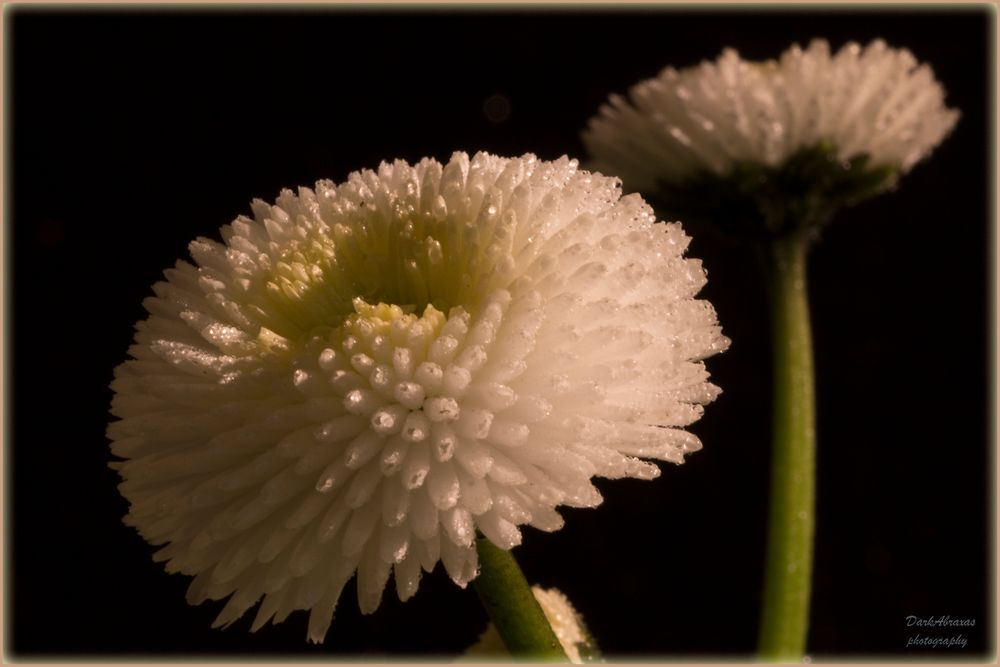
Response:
column 133, row 133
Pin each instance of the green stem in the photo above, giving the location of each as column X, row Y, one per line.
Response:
column 785, row 616
column 508, row 600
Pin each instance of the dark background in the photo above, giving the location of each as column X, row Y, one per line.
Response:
column 130, row 134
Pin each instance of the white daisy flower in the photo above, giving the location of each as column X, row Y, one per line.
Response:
column 566, row 622
column 874, row 101
column 365, row 375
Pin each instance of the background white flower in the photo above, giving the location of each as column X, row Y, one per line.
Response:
column 567, row 624
column 873, row 100
column 364, row 375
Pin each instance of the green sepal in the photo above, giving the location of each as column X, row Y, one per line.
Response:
column 760, row 202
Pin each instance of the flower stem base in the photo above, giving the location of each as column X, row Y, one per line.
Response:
column 788, row 572
column 508, row 600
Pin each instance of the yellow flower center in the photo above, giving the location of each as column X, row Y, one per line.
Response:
column 410, row 263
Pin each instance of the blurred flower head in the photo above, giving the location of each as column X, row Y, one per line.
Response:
column 877, row 102
column 567, row 624
column 362, row 376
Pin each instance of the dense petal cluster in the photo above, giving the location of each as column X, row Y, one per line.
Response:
column 874, row 100
column 364, row 375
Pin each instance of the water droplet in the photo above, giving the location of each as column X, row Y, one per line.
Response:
column 388, row 420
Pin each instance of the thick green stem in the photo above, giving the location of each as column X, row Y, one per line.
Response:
column 788, row 570
column 508, row 600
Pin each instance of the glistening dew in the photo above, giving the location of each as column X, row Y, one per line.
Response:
column 364, row 375
column 874, row 101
